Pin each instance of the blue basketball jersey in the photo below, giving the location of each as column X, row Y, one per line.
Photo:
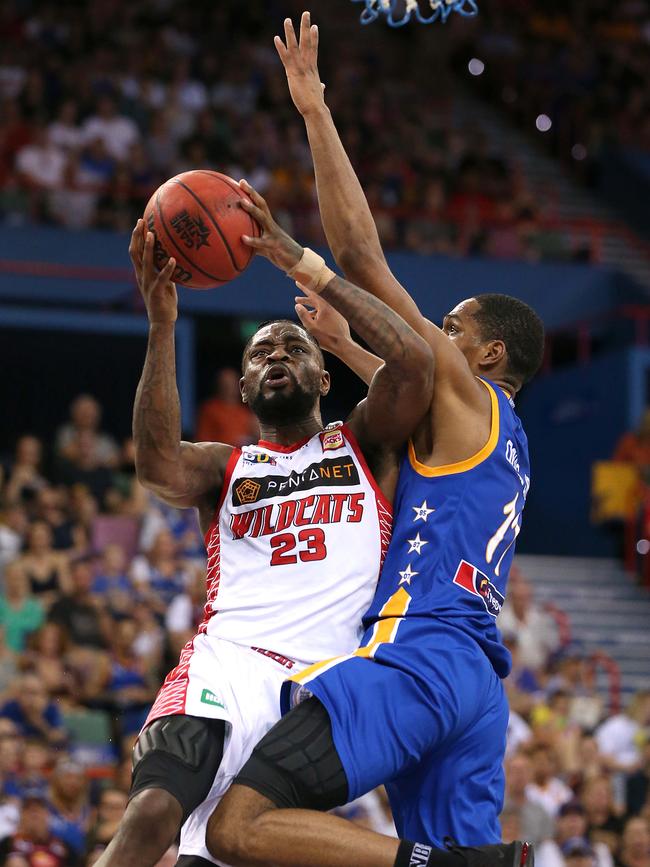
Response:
column 453, row 542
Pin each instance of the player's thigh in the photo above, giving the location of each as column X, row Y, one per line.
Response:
column 457, row 790
column 180, row 754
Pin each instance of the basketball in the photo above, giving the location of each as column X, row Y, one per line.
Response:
column 197, row 219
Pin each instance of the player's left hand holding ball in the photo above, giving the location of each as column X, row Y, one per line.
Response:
column 156, row 287
column 274, row 243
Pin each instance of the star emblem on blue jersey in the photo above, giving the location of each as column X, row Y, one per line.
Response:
column 422, row 512
column 407, row 574
column 416, row 544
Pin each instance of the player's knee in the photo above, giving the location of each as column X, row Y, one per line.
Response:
column 157, row 813
column 233, row 827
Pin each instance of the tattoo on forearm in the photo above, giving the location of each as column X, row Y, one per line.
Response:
column 156, row 412
column 383, row 330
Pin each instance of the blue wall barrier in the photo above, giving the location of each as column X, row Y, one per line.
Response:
column 92, row 268
column 572, row 418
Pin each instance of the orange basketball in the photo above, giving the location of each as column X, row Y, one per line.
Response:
column 197, row 219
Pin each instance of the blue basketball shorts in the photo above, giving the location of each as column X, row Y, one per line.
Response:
column 430, row 723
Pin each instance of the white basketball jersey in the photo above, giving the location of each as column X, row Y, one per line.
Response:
column 296, row 546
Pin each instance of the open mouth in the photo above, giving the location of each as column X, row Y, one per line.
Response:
column 277, row 376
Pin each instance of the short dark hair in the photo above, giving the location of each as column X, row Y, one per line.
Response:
column 268, row 322
column 502, row 317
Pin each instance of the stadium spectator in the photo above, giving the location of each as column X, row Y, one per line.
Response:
column 535, row 822
column 571, row 825
column 34, row 844
column 24, row 479
column 619, row 736
column 546, row 788
column 603, row 822
column 111, row 583
column 634, row 447
column 635, row 844
column 46, row 570
column 117, row 132
column 224, row 418
column 13, row 529
column 85, row 417
column 78, row 613
column 21, row 613
column 47, row 655
column 535, row 631
column 32, row 711
column 110, row 809
column 185, row 612
column 68, row 803
column 637, row 794
column 159, row 575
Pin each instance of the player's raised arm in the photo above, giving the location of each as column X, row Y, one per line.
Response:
column 347, row 220
column 181, row 473
column 400, row 391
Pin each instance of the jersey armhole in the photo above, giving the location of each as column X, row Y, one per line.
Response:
column 356, row 448
column 474, row 460
column 227, row 477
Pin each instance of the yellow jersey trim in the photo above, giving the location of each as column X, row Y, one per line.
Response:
column 469, row 463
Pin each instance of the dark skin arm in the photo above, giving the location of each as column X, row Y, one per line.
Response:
column 397, row 397
column 460, row 410
column 182, row 474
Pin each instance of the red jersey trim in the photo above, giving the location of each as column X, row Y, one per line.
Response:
column 381, row 497
column 275, row 447
column 235, row 454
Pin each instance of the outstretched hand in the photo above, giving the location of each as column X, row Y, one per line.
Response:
column 156, row 287
column 274, row 243
column 300, row 60
column 322, row 320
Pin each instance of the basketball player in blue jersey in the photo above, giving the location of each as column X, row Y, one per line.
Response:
column 420, row 705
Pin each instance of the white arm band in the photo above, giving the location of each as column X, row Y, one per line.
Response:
column 311, row 272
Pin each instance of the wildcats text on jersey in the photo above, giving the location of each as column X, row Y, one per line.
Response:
column 331, row 472
column 307, row 511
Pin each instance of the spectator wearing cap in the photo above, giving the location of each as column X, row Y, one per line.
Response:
column 535, row 822
column 32, row 711
column 571, row 825
column 546, row 789
column 619, row 736
column 578, row 852
column 635, row 844
column 68, row 803
column 637, row 790
column 34, row 842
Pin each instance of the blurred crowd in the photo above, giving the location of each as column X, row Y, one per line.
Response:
column 101, row 586
column 101, row 102
column 586, row 66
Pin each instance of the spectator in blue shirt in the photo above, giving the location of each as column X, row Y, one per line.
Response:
column 33, row 713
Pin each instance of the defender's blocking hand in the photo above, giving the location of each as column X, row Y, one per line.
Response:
column 300, row 60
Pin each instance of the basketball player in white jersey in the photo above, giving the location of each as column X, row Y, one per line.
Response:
column 296, row 528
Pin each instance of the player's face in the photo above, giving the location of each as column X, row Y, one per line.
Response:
column 283, row 374
column 462, row 328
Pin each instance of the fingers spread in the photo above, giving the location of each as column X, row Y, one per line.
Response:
column 305, row 34
column 281, row 48
column 255, row 243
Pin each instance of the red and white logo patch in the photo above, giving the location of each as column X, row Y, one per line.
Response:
column 332, row 440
